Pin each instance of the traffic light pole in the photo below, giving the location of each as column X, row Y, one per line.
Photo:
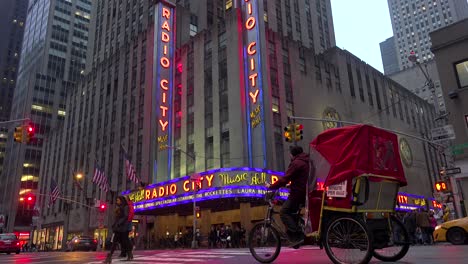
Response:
column 14, row 121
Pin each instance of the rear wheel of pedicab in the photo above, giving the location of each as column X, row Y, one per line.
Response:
column 398, row 244
column 347, row 240
column 264, row 242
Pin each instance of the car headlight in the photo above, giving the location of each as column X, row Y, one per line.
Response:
column 438, row 227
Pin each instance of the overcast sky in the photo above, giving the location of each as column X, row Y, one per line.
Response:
column 360, row 25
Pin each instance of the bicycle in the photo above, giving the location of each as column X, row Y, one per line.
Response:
column 260, row 233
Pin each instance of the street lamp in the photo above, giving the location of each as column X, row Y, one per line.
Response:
column 412, row 58
column 196, row 179
column 79, row 176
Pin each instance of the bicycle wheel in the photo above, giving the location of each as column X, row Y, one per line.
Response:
column 347, row 240
column 398, row 244
column 264, row 242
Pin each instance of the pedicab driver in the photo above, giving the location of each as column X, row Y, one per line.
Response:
column 297, row 174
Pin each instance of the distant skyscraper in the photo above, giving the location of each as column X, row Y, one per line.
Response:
column 53, row 57
column 413, row 20
column 12, row 19
column 389, row 56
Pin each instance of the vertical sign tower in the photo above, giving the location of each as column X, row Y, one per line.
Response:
column 163, row 84
column 254, row 92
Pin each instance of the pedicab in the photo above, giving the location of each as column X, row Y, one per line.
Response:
column 352, row 216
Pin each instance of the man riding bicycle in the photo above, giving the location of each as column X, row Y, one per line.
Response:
column 297, row 175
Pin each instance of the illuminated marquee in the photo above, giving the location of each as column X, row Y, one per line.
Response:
column 163, row 66
column 220, row 183
column 252, row 67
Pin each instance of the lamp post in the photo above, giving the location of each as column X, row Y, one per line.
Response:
column 412, row 58
column 196, row 179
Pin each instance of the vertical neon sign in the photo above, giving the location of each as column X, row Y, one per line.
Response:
column 163, row 87
column 253, row 83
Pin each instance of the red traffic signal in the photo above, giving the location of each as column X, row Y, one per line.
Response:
column 30, row 131
column 30, row 198
column 102, row 207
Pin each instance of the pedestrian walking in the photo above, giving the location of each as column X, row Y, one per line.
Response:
column 120, row 229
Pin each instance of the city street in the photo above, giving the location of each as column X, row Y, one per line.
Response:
column 443, row 253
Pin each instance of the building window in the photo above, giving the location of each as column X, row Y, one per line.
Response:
column 462, row 73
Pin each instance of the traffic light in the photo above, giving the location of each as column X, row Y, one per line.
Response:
column 197, row 211
column 30, row 199
column 102, row 207
column 288, row 133
column 441, row 186
column 18, row 134
column 30, row 131
column 298, row 132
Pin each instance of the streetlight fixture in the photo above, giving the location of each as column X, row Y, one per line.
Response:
column 79, row 176
column 195, row 177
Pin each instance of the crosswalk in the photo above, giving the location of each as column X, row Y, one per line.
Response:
column 187, row 257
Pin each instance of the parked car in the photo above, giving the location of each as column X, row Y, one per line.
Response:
column 82, row 243
column 9, row 243
column 455, row 231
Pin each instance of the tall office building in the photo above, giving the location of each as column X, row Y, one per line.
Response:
column 12, row 19
column 389, row 56
column 53, row 57
column 412, row 21
column 207, row 88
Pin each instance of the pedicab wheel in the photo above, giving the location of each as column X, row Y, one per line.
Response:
column 264, row 242
column 398, row 245
column 347, row 240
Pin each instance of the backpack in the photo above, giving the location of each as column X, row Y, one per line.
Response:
column 131, row 211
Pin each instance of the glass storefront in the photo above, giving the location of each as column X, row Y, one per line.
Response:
column 49, row 238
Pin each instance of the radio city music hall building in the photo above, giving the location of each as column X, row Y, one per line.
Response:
column 216, row 83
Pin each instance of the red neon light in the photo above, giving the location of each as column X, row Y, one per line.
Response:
column 250, row 23
column 164, row 37
column 249, row 7
column 166, row 13
column 165, row 25
column 251, row 51
column 254, row 96
column 165, row 62
column 252, row 64
column 253, row 78
column 164, row 84
column 163, row 124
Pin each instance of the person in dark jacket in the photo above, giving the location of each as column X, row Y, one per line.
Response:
column 120, row 229
column 297, row 173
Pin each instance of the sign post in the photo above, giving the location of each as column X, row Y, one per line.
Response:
column 441, row 134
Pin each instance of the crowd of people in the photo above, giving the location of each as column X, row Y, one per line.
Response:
column 421, row 224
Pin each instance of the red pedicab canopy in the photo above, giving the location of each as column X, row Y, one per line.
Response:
column 341, row 154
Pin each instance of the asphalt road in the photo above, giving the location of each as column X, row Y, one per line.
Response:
column 419, row 254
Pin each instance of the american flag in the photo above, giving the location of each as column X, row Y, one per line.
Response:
column 100, row 178
column 129, row 169
column 54, row 192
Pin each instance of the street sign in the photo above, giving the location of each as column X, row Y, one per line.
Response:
column 440, row 134
column 459, row 149
column 452, row 171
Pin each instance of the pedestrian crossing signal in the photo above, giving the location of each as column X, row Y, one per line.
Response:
column 441, row 186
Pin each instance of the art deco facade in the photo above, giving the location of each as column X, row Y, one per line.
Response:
column 53, row 57
column 235, row 80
